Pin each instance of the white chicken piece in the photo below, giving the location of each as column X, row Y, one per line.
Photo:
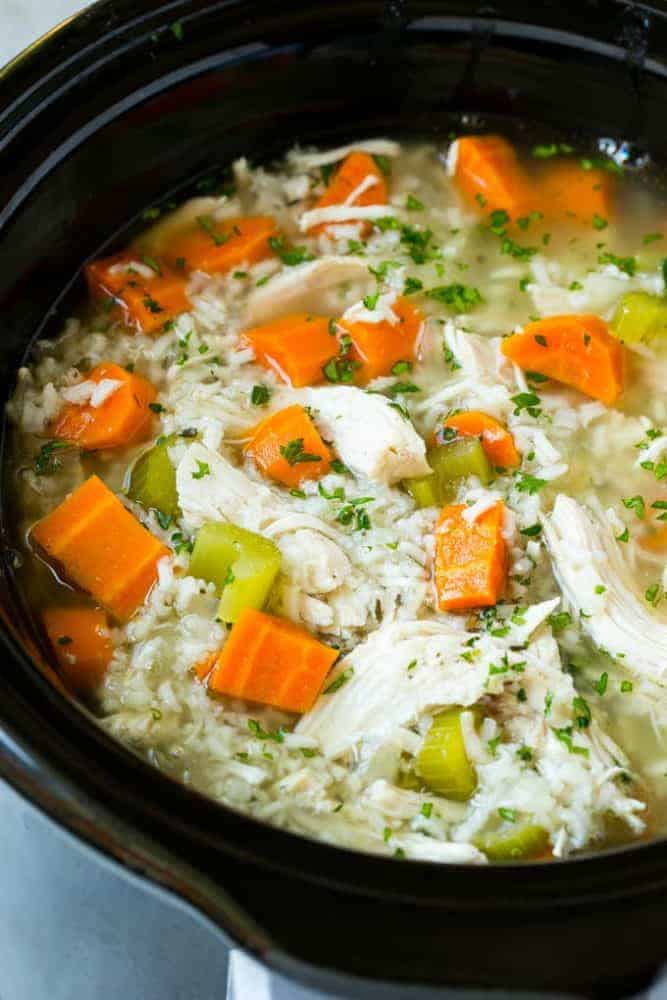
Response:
column 406, row 669
column 597, row 292
column 211, row 489
column 315, row 563
column 370, row 436
column 598, row 584
column 311, row 558
column 378, row 147
column 286, row 292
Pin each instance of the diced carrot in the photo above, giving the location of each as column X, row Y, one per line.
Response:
column 101, row 548
column 568, row 191
column 296, row 347
column 352, row 172
column 377, row 347
column 204, row 667
column 287, row 447
column 470, row 558
column 273, row 662
column 488, row 174
column 655, row 540
column 146, row 303
column 217, row 245
column 82, row 644
column 576, row 350
column 123, row 418
column 496, row 440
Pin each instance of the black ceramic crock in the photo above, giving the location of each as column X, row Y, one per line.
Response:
column 120, row 108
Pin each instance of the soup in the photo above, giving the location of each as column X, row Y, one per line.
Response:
column 341, row 499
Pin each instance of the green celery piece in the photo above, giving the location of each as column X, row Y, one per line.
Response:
column 458, row 459
column 442, row 761
column 639, row 317
column 450, row 462
column 513, row 842
column 424, row 490
column 241, row 564
column 153, row 481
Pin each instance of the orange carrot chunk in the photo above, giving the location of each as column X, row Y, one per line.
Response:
column 287, row 448
column 568, row 191
column 123, row 418
column 273, row 662
column 217, row 245
column 470, row 558
column 496, row 440
column 82, row 645
column 101, row 548
column 576, row 350
column 488, row 174
column 352, row 173
column 296, row 347
column 145, row 296
column 204, row 667
column 377, row 347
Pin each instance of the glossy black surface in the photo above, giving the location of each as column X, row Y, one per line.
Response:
column 122, row 108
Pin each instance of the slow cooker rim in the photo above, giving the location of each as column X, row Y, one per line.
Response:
column 501, row 875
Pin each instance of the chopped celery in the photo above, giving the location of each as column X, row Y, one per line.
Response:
column 442, row 761
column 241, row 564
column 459, row 458
column 153, row 481
column 409, row 780
column 511, row 843
column 450, row 462
column 424, row 490
column 639, row 317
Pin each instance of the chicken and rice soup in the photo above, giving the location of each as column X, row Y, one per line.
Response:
column 342, row 499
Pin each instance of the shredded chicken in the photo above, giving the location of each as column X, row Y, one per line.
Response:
column 371, row 437
column 597, row 583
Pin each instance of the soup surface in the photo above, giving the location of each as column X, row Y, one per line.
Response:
column 342, row 500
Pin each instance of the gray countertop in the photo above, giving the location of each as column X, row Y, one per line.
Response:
column 22, row 21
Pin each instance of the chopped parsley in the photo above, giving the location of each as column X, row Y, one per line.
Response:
column 654, row 594
column 510, row 815
column 412, row 285
column 294, row 454
column 47, row 462
column 339, row 681
column 582, row 712
column 153, row 264
column 651, row 238
column 530, row 484
column 203, row 469
column 565, row 736
column 528, row 401
column 289, row 255
column 277, row 735
column 460, row 298
column 546, row 150
column 206, row 223
column 559, row 621
column 413, row 204
column 635, row 503
column 626, row 264
column 260, row 395
column 602, row 682
column 532, row 531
